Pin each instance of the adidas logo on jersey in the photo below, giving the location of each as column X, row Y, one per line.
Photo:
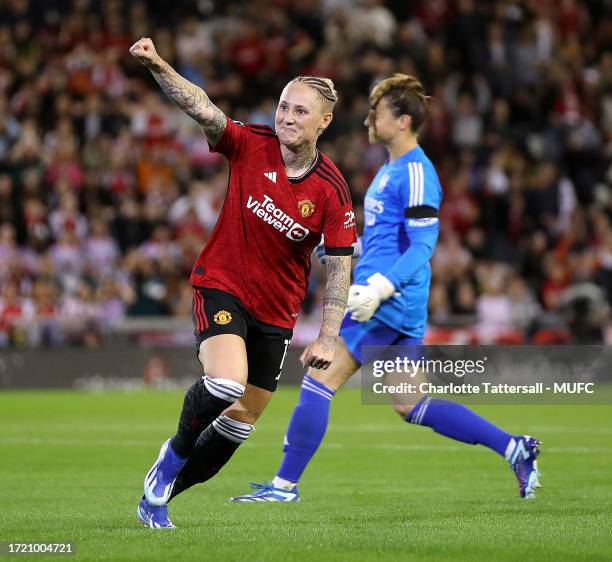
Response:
column 268, row 212
column 271, row 176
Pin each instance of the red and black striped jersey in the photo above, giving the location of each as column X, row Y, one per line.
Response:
column 260, row 248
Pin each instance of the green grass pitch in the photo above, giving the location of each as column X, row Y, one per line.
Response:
column 72, row 465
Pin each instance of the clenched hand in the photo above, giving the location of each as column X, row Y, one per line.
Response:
column 144, row 51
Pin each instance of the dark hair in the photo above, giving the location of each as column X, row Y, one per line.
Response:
column 405, row 95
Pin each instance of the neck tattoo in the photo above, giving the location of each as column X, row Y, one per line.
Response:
column 301, row 161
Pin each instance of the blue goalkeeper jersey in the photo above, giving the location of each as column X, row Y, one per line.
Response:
column 400, row 233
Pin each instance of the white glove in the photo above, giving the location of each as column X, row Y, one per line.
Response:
column 363, row 300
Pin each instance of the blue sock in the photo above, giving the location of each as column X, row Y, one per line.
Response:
column 458, row 422
column 306, row 428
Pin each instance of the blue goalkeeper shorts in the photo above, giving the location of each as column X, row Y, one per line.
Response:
column 358, row 335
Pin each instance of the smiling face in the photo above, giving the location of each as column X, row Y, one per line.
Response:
column 300, row 116
column 383, row 126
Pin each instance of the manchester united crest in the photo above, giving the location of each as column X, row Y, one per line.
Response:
column 306, row 207
column 222, row 317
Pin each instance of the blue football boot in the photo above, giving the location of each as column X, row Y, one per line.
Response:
column 523, row 461
column 160, row 479
column 266, row 492
column 152, row 516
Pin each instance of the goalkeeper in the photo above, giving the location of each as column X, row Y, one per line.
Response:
column 387, row 304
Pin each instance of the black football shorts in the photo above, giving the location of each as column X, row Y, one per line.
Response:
column 217, row 312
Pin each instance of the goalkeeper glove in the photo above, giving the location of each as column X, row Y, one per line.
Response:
column 363, row 300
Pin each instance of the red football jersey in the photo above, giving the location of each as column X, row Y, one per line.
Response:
column 260, row 248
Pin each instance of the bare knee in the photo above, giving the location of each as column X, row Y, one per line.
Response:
column 224, row 356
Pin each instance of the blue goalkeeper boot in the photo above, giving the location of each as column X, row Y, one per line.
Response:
column 152, row 516
column 266, row 492
column 523, row 461
column 160, row 479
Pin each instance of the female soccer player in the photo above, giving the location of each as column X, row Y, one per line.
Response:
column 388, row 301
column 251, row 277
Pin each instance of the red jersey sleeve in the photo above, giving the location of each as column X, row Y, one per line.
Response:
column 339, row 231
column 234, row 139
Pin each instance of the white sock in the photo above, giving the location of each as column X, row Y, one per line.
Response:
column 283, row 484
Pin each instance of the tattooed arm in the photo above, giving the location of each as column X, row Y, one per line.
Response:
column 189, row 97
column 321, row 353
column 338, row 270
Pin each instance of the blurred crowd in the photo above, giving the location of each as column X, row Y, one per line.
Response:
column 108, row 192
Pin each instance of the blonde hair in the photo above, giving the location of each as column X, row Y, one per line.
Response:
column 323, row 86
column 405, row 95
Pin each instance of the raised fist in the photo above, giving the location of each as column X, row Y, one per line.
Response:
column 144, row 51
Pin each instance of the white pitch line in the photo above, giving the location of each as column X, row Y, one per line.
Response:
column 274, row 445
column 102, row 426
column 75, row 442
column 340, row 428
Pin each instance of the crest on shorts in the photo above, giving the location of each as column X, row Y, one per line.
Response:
column 306, row 207
column 222, row 317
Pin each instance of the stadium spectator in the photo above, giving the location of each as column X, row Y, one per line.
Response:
column 520, row 130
